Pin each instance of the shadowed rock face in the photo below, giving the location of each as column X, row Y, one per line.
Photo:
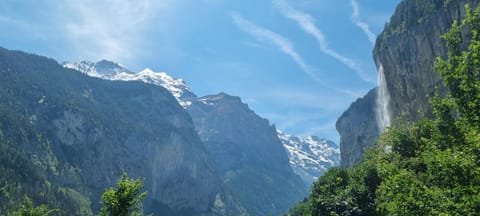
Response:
column 93, row 130
column 248, row 153
column 407, row 49
column 358, row 129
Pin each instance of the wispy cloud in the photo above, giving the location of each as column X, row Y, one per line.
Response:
column 362, row 25
column 306, row 22
column 266, row 35
column 313, row 123
column 303, row 98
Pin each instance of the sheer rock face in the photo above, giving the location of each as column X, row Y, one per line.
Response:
column 93, row 130
column 358, row 129
column 248, row 154
column 223, row 119
column 407, row 49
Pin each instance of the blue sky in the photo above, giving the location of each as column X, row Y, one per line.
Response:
column 298, row 63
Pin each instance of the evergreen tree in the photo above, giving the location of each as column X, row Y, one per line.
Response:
column 125, row 199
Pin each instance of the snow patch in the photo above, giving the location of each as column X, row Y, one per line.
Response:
column 310, row 156
column 114, row 71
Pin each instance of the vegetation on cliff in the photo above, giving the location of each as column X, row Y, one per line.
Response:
column 428, row 167
column 411, row 13
column 64, row 136
column 123, row 200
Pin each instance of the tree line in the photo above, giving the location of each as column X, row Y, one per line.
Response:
column 123, row 200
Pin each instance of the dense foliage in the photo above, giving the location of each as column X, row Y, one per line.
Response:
column 123, row 200
column 27, row 209
column 21, row 176
column 429, row 167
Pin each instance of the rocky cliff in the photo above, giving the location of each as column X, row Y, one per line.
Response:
column 248, row 153
column 407, row 49
column 358, row 129
column 81, row 133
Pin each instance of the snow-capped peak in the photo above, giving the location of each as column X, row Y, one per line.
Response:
column 102, row 69
column 147, row 71
column 112, row 71
column 310, row 156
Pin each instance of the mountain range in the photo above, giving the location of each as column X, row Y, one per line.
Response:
column 67, row 137
column 209, row 155
column 309, row 156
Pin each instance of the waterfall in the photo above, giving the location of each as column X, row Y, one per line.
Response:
column 383, row 112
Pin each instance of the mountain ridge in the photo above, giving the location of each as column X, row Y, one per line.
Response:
column 181, row 91
column 240, row 141
column 79, row 133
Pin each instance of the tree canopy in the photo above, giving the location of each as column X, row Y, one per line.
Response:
column 125, row 199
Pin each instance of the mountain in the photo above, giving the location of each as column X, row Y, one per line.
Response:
column 246, row 149
column 249, row 154
column 70, row 136
column 406, row 50
column 311, row 156
column 100, row 69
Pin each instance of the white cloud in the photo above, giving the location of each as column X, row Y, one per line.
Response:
column 108, row 29
column 266, row 35
column 306, row 22
column 362, row 25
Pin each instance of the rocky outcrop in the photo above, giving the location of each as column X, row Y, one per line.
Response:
column 407, row 49
column 87, row 131
column 358, row 128
column 248, row 153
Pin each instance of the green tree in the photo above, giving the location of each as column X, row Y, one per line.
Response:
column 434, row 168
column 461, row 70
column 27, row 209
column 125, row 199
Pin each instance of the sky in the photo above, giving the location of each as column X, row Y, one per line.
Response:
column 297, row 63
